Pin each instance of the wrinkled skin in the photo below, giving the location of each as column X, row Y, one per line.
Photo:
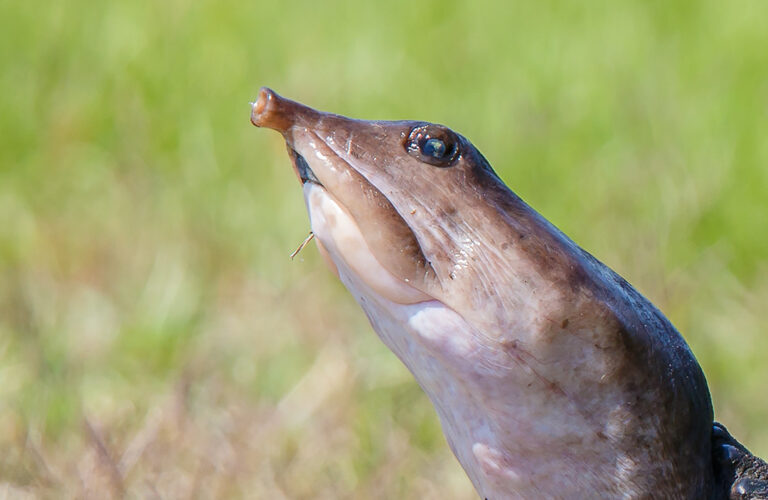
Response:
column 551, row 375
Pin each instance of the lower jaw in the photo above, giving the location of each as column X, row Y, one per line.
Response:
column 340, row 238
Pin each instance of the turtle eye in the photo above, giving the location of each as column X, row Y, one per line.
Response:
column 433, row 144
column 434, row 148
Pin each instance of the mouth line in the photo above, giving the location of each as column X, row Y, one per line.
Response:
column 305, row 173
column 303, row 169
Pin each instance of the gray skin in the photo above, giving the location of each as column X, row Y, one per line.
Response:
column 552, row 376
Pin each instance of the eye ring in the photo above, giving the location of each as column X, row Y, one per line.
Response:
column 433, row 144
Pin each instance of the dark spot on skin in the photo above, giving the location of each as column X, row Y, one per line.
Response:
column 554, row 387
column 578, row 277
column 564, row 325
column 510, row 345
column 505, row 245
column 602, row 435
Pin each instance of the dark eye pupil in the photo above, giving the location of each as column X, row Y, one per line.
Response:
column 434, row 148
column 433, row 144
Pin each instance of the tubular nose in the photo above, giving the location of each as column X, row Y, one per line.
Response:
column 278, row 113
column 266, row 111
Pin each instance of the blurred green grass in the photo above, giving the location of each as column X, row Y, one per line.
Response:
column 156, row 340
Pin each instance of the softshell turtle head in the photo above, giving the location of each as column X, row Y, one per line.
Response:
column 431, row 218
column 551, row 375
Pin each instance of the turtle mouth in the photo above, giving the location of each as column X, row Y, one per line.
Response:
column 302, row 168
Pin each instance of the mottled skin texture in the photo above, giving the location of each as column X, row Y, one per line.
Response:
column 552, row 376
column 739, row 475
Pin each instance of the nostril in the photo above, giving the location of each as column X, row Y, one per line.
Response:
column 259, row 108
column 270, row 110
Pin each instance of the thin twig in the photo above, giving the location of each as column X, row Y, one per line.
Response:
column 303, row 244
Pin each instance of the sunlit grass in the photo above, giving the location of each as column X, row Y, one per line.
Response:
column 155, row 337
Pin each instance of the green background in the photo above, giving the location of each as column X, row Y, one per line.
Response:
column 156, row 340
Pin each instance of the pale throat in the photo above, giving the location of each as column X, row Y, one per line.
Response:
column 434, row 342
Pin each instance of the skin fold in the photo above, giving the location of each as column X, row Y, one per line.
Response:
column 552, row 376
